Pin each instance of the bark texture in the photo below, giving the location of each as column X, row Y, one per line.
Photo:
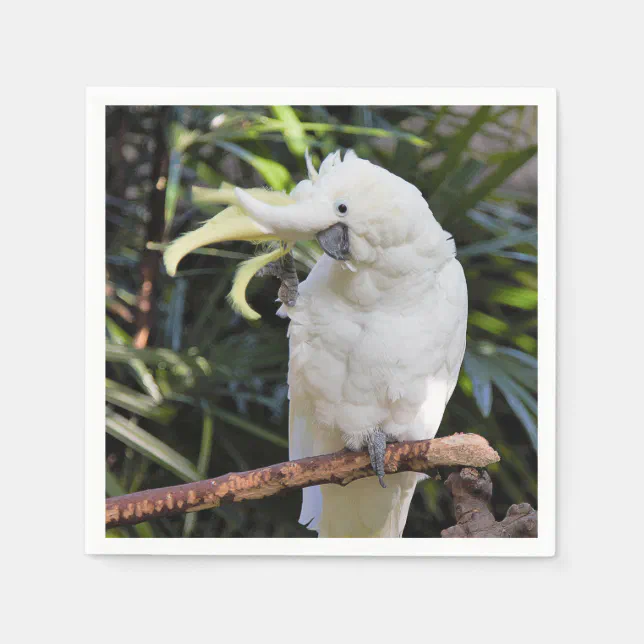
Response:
column 471, row 491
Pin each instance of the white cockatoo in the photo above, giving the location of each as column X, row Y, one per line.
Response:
column 377, row 330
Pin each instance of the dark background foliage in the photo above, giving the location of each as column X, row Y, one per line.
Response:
column 195, row 391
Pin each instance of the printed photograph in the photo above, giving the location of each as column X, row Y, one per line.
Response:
column 321, row 321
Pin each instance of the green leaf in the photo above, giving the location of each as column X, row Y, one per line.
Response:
column 189, row 524
column 205, row 451
column 180, row 138
column 496, row 179
column 173, row 187
column 519, row 356
column 406, row 159
column 481, row 383
column 522, row 403
column 294, row 133
column 206, row 174
column 213, row 252
column 454, row 186
column 116, row 533
column 137, row 403
column 274, row 173
column 141, row 372
column 458, row 144
column 491, row 246
column 150, row 446
column 521, row 298
column 185, row 367
column 174, row 321
column 273, row 124
column 525, row 342
column 435, row 121
column 510, row 385
column 112, row 486
column 521, row 257
column 520, row 410
column 487, row 322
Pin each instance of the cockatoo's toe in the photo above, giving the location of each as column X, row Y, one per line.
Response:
column 283, row 269
column 377, row 446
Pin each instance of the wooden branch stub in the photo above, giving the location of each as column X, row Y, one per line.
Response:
column 472, row 492
column 340, row 468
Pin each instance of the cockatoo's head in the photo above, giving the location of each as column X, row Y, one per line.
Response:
column 355, row 210
column 360, row 214
column 352, row 207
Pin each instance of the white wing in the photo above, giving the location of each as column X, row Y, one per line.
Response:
column 303, row 440
column 452, row 317
column 453, row 283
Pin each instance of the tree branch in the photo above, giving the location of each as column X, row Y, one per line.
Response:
column 472, row 492
column 340, row 468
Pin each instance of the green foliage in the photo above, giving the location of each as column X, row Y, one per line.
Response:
column 207, row 395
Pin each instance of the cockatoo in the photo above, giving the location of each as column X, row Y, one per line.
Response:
column 377, row 330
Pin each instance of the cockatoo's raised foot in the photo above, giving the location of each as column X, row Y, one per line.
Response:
column 284, row 269
column 377, row 446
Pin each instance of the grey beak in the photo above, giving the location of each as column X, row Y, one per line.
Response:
column 335, row 241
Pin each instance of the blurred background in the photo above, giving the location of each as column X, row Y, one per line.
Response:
column 195, row 391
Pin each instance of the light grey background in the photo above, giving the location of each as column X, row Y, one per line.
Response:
column 51, row 52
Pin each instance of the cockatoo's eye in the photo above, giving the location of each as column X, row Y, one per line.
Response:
column 341, row 208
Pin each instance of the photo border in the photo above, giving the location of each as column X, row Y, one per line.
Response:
column 96, row 101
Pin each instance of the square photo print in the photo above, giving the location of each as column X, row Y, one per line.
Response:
column 322, row 325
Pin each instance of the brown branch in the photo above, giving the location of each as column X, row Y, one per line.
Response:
column 340, row 468
column 472, row 492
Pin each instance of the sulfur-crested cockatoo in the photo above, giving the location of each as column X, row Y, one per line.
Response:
column 377, row 330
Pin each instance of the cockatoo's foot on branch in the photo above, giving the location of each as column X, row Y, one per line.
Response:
column 284, row 269
column 377, row 446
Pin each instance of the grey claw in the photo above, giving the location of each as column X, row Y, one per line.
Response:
column 377, row 446
column 283, row 269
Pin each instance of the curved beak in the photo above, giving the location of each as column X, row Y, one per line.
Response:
column 335, row 241
column 293, row 222
column 303, row 220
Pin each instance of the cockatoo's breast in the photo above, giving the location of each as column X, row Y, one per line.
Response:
column 369, row 347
